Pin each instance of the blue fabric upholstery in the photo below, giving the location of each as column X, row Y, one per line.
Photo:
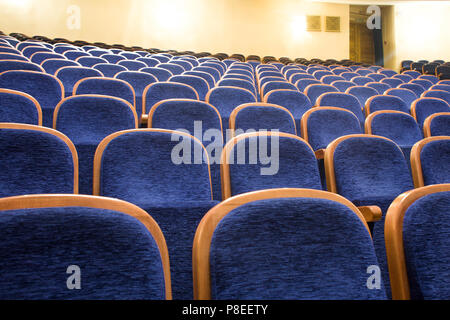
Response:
column 387, row 102
column 435, row 161
column 314, row 91
column 322, row 73
column 62, row 49
column 274, row 73
column 362, row 93
column 265, row 80
column 29, row 51
column 175, row 115
column 34, row 162
column 226, row 99
column 87, row 120
column 424, row 83
column 69, row 76
column 444, row 87
column 113, row 58
column 205, row 76
column 117, row 255
column 303, row 83
column 296, row 102
column 8, row 50
column 338, row 71
column 160, row 58
column 349, row 75
column 132, row 65
column 342, row 85
column 404, row 77
column 212, row 71
column 215, row 65
column 282, row 248
column 408, row 96
column 177, row 196
column 297, row 165
column 107, row 87
column 388, row 73
column 299, row 76
column 52, row 65
column 109, row 69
column 440, row 94
column 90, row 61
column 392, row 82
column 364, row 72
column 184, row 64
column 10, row 56
column 173, row 68
column 372, row 171
column 425, row 107
column 343, row 100
column 276, row 85
column 325, row 125
column 160, row 73
column 380, row 87
column 75, row 54
column 416, row 88
column 426, row 242
column 198, row 84
column 260, row 117
column 440, row 125
column 401, row 128
column 361, row 81
column 331, row 79
column 6, row 65
column 98, row 52
column 139, row 81
column 150, row 62
column 433, row 79
column 376, row 76
column 237, row 83
column 43, row 87
column 39, row 57
column 167, row 90
column 130, row 55
column 14, row 107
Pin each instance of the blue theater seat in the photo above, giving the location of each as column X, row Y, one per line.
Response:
column 52, row 65
column 385, row 102
column 139, row 166
column 108, row 69
column 36, row 160
column 69, row 76
column 424, row 107
column 19, row 107
column 115, row 248
column 408, row 96
column 234, row 241
column 199, row 84
column 437, row 124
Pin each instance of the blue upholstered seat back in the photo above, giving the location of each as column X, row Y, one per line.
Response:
column 138, row 167
column 113, row 58
column 408, row 96
column 275, row 85
column 198, row 84
column 34, row 162
column 342, row 100
column 297, row 165
column 260, row 117
column 52, row 65
column 435, row 161
column 399, row 127
column 206, row 76
column 426, row 240
column 237, row 83
column 109, row 70
column 90, row 61
column 425, row 107
column 69, row 76
column 342, row 85
column 226, row 99
column 40, row 57
column 387, row 102
column 6, row 65
column 43, row 87
column 75, row 54
column 325, row 125
column 12, row 56
column 416, row 88
column 303, row 83
column 160, row 73
column 173, row 68
column 15, row 107
column 362, row 93
column 117, row 256
column 440, row 94
column 370, row 168
column 316, row 90
column 380, row 87
column 440, row 125
column 139, row 81
column 132, row 65
column 107, row 87
column 282, row 248
column 167, row 90
column 296, row 102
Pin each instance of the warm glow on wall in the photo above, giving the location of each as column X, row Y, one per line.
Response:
column 298, row 27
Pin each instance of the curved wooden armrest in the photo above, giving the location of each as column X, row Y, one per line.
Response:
column 371, row 213
column 320, row 154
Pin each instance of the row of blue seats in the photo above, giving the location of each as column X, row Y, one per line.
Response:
column 138, row 166
column 270, row 244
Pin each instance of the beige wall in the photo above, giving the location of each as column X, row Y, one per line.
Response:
column 422, row 31
column 263, row 27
